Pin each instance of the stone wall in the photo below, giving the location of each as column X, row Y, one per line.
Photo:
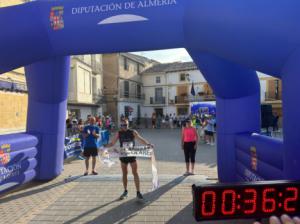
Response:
column 13, row 113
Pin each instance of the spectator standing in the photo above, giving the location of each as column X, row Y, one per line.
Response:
column 200, row 129
column 80, row 129
column 80, row 126
column 167, row 120
column 194, row 122
column 275, row 122
column 74, row 125
column 130, row 119
column 159, row 120
column 198, row 122
column 91, row 133
column 99, row 122
column 69, row 127
column 153, row 120
column 88, row 119
column 175, row 120
column 146, row 120
column 107, row 123
column 209, row 130
column 163, row 121
column 214, row 121
column 171, row 121
column 189, row 142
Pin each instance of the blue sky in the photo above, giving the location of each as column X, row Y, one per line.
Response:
column 166, row 56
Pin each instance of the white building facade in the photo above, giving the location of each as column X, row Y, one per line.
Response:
column 167, row 88
column 85, row 86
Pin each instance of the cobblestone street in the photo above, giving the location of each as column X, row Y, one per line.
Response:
column 93, row 199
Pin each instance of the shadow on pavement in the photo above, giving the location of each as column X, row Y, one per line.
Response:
column 129, row 209
column 90, row 211
column 186, row 216
column 35, row 191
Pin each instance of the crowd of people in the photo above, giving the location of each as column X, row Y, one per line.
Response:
column 75, row 126
column 205, row 124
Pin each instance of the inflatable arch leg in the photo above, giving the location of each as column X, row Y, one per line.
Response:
column 48, row 91
column 238, row 106
column 291, row 118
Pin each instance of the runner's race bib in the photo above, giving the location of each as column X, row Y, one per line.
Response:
column 129, row 150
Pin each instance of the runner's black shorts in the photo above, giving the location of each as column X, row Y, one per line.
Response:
column 127, row 160
column 88, row 152
column 209, row 133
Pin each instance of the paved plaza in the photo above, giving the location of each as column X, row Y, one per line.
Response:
column 93, row 199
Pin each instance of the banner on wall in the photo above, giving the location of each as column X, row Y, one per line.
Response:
column 108, row 157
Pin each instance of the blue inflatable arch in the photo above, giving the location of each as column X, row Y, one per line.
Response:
column 228, row 40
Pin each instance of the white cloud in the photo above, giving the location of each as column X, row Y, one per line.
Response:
column 125, row 18
column 167, row 56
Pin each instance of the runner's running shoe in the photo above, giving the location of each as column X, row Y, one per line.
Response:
column 124, row 195
column 139, row 195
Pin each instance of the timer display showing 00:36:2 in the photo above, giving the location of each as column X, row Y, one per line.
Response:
column 251, row 200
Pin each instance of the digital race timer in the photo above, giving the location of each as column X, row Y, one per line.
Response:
column 246, row 200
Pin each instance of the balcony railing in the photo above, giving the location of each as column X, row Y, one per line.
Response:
column 132, row 95
column 202, row 98
column 272, row 96
column 157, row 100
column 181, row 99
column 188, row 99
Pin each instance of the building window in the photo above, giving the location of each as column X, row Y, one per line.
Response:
column 98, row 58
column 126, row 67
column 126, row 88
column 138, row 69
column 84, row 81
column 94, row 85
column 157, row 79
column 158, row 94
column 80, row 75
column 139, row 91
column 87, row 83
column 182, row 77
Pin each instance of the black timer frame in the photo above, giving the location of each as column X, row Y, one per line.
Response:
column 259, row 187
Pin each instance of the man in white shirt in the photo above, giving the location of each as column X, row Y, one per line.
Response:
column 130, row 119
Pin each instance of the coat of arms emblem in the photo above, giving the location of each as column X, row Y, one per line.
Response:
column 56, row 17
column 253, row 158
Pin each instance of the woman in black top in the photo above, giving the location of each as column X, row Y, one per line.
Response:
column 127, row 138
